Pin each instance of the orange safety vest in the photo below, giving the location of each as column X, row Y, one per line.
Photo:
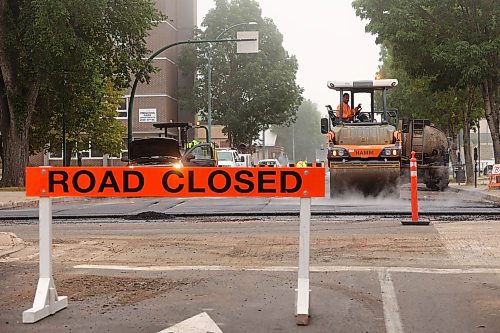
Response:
column 346, row 111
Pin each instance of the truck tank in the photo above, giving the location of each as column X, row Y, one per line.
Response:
column 431, row 151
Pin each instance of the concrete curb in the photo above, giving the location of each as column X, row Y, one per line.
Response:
column 18, row 204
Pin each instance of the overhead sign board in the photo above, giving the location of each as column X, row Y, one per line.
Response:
column 248, row 46
column 173, row 182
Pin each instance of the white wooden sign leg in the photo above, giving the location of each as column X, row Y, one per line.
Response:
column 302, row 292
column 46, row 300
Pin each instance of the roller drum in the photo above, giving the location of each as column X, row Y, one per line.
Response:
column 364, row 179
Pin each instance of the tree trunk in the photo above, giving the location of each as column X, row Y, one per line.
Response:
column 453, row 151
column 492, row 116
column 70, row 146
column 15, row 157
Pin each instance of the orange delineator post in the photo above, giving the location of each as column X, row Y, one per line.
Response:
column 414, row 194
column 414, row 188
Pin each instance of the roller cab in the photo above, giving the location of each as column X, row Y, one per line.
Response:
column 364, row 152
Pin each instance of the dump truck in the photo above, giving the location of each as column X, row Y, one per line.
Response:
column 370, row 152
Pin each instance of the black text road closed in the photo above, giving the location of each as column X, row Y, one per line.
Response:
column 168, row 182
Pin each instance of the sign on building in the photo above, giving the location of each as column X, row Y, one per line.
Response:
column 147, row 115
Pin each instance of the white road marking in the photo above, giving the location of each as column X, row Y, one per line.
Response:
column 389, row 299
column 390, row 304
column 201, row 323
column 315, row 269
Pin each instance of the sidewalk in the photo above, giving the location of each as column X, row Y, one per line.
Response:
column 11, row 198
column 481, row 190
column 16, row 197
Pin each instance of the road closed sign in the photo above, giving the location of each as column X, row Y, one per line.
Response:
column 496, row 170
column 173, row 182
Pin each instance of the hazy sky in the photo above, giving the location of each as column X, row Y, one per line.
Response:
column 327, row 38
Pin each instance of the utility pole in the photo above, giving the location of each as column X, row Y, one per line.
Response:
column 263, row 144
column 479, row 145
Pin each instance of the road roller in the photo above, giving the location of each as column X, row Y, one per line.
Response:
column 364, row 147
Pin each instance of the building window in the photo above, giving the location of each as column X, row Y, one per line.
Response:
column 86, row 149
column 56, row 155
column 95, row 153
column 123, row 109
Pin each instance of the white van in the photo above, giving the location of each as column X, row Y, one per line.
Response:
column 227, row 158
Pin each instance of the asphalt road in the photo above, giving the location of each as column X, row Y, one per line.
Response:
column 368, row 276
column 430, row 203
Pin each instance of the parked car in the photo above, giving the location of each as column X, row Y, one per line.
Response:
column 228, row 158
column 269, row 162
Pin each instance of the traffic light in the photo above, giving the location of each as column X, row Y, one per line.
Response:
column 475, row 153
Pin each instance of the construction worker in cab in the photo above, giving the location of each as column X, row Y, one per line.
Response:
column 347, row 113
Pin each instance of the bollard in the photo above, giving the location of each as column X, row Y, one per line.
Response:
column 414, row 188
column 414, row 194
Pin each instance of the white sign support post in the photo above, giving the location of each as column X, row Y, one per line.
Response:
column 46, row 302
column 302, row 292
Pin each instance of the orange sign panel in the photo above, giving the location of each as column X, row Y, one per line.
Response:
column 172, row 182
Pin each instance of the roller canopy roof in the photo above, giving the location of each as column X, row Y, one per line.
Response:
column 365, row 85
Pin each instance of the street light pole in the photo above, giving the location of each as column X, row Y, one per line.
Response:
column 209, row 77
column 136, row 80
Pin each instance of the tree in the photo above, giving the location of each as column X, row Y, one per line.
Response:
column 304, row 136
column 450, row 110
column 96, row 123
column 455, row 42
column 249, row 91
column 66, row 51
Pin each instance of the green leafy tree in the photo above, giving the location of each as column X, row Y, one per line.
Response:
column 249, row 91
column 96, row 123
column 450, row 110
column 304, row 136
column 453, row 42
column 55, row 54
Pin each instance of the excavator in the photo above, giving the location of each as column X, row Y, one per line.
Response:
column 364, row 152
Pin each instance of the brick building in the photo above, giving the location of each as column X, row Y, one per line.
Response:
column 156, row 102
